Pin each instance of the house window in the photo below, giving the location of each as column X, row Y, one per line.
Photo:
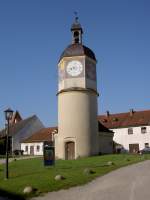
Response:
column 143, row 130
column 146, row 145
column 26, row 148
column 37, row 148
column 130, row 131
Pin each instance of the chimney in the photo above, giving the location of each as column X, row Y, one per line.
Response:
column 131, row 112
column 107, row 113
column 16, row 118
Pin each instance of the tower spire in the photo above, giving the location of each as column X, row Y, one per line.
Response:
column 76, row 30
column 76, row 16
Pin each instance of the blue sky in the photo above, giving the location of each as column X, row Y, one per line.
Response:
column 33, row 34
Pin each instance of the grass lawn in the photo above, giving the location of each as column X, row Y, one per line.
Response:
column 32, row 172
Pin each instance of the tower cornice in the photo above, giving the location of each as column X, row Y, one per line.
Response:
column 78, row 89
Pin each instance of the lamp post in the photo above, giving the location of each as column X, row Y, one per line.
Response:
column 8, row 117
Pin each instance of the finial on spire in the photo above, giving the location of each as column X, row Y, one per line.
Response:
column 76, row 30
column 76, row 16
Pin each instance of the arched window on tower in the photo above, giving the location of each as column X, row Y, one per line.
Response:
column 76, row 37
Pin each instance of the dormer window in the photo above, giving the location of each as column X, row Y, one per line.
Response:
column 143, row 130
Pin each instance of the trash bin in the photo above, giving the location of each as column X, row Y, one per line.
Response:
column 49, row 155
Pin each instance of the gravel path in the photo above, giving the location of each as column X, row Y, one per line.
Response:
column 2, row 160
column 127, row 183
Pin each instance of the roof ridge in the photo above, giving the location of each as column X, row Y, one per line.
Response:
column 126, row 119
column 42, row 134
column 120, row 113
column 24, row 120
column 18, row 125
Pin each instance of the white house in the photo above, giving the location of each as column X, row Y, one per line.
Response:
column 35, row 143
column 131, row 129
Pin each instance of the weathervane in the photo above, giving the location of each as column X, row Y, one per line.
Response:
column 76, row 16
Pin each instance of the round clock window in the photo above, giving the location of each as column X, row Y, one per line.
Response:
column 74, row 68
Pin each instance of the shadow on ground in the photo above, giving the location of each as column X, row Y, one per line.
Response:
column 10, row 196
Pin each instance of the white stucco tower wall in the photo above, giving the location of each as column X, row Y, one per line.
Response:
column 77, row 101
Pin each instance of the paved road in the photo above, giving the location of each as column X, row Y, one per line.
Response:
column 128, row 183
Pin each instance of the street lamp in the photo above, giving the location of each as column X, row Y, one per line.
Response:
column 8, row 117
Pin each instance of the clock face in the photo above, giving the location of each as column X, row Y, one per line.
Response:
column 74, row 68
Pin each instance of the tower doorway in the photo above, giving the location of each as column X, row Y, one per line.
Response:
column 69, row 150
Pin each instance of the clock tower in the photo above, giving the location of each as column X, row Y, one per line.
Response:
column 77, row 100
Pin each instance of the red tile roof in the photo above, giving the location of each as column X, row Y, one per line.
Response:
column 128, row 119
column 44, row 134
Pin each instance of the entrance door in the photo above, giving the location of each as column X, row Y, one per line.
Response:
column 31, row 150
column 70, row 150
column 133, row 148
